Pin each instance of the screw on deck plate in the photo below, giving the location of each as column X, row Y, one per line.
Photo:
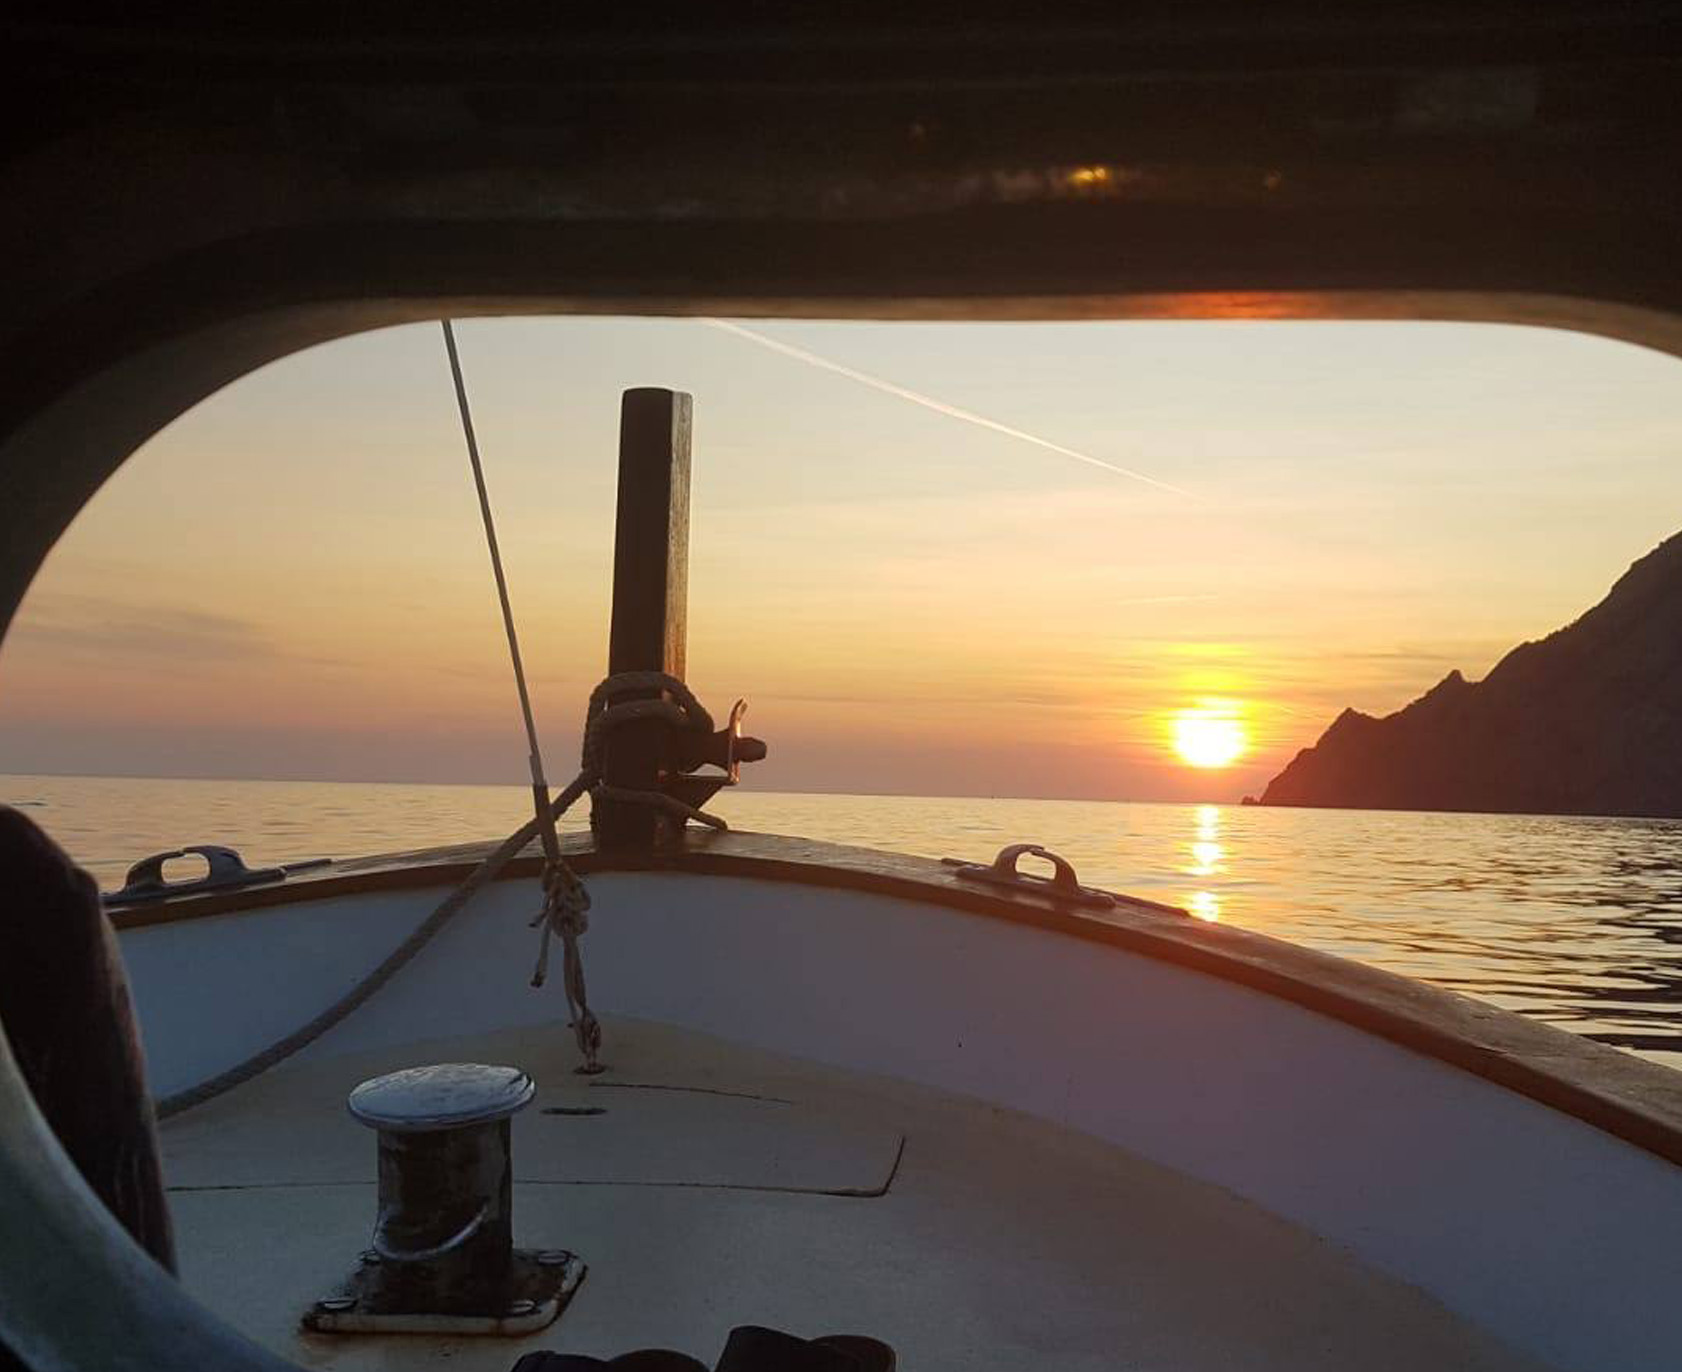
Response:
column 554, row 1257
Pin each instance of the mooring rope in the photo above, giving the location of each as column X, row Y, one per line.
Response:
column 683, row 710
column 358, row 995
column 566, row 902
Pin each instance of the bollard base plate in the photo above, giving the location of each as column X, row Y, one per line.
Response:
column 540, row 1284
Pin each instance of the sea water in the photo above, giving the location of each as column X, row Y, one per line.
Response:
column 1576, row 921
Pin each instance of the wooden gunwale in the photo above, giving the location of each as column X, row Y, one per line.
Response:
column 1623, row 1095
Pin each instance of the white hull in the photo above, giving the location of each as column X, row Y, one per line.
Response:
column 1547, row 1232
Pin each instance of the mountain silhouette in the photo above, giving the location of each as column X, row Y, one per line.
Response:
column 1585, row 721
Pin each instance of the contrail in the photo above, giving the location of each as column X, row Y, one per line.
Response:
column 938, row 406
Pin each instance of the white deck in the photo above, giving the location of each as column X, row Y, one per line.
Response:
column 1533, row 1225
column 989, row 1241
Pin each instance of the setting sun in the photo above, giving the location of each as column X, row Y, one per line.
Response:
column 1210, row 734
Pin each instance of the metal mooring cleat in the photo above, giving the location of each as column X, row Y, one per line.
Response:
column 442, row 1259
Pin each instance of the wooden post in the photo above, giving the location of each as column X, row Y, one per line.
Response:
column 650, row 592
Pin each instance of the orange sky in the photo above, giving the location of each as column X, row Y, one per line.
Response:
column 290, row 580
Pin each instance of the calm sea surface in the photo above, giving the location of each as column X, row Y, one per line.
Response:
column 1574, row 921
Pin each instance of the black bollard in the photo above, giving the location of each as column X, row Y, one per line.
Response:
column 442, row 1259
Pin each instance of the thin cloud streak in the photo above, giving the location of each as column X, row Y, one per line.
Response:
column 1163, row 599
column 939, row 406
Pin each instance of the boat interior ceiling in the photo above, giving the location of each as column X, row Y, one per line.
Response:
column 1015, row 1123
column 201, row 195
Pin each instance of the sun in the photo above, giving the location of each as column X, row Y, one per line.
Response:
column 1210, row 734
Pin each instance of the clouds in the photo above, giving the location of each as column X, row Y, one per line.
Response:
column 83, row 628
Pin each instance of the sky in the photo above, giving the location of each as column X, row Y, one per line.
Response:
column 1061, row 559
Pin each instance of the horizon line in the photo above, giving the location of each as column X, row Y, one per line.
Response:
column 525, row 788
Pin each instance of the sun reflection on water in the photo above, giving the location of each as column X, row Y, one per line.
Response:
column 1207, row 858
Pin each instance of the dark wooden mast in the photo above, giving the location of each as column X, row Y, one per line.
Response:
column 650, row 622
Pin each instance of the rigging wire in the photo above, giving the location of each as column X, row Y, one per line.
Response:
column 540, row 786
column 565, row 901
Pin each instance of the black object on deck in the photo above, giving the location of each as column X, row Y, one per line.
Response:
column 65, row 1009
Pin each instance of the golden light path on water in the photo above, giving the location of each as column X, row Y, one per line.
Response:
column 1207, row 856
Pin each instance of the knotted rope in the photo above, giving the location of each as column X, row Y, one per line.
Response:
column 566, row 902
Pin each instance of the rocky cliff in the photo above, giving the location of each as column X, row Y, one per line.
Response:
column 1585, row 721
